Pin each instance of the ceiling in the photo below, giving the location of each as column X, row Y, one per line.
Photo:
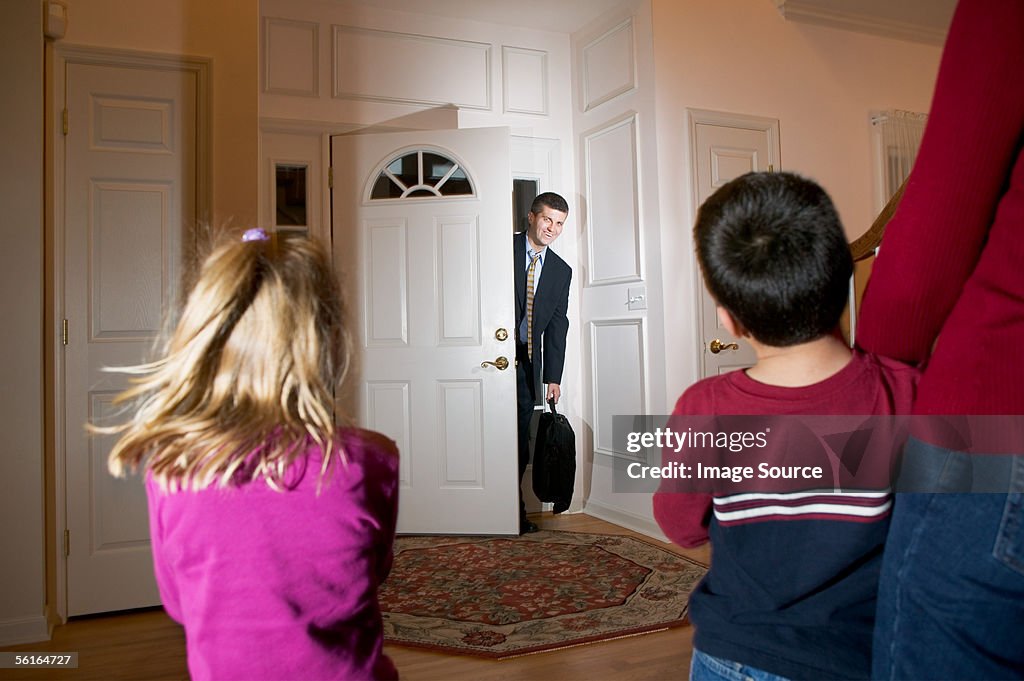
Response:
column 917, row 20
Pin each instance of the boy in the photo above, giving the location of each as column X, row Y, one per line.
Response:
column 792, row 589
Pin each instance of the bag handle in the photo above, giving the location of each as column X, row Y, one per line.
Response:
column 551, row 404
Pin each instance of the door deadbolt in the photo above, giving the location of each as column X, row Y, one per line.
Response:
column 501, row 334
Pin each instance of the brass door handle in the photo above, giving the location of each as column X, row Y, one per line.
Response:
column 716, row 346
column 501, row 363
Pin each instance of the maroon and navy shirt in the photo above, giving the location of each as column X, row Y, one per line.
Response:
column 794, row 577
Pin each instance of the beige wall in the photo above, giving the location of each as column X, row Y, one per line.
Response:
column 227, row 31
column 21, row 359
column 743, row 57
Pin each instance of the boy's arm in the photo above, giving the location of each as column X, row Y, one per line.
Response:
column 683, row 516
column 935, row 238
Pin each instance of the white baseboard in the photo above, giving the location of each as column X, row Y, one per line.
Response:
column 25, row 630
column 630, row 521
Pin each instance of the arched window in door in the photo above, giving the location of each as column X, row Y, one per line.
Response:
column 422, row 173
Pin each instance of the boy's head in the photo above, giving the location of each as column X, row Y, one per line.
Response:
column 774, row 255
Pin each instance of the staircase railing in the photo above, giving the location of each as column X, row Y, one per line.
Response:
column 864, row 246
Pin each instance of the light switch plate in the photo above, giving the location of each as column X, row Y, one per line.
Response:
column 637, row 298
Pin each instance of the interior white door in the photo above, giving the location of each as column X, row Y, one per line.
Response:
column 129, row 192
column 430, row 285
column 726, row 146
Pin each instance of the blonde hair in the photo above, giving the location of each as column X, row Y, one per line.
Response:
column 245, row 381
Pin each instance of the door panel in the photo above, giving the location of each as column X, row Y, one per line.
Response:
column 726, row 146
column 429, row 280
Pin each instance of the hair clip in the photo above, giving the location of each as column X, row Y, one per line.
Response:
column 255, row 234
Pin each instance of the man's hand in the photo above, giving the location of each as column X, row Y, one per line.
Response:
column 554, row 392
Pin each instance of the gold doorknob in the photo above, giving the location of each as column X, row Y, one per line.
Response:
column 501, row 334
column 501, row 363
column 716, row 346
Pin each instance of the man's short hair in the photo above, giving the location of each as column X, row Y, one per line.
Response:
column 773, row 253
column 551, row 200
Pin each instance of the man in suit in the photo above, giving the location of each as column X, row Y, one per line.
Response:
column 542, row 300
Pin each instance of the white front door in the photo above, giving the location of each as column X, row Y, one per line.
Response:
column 726, row 146
column 128, row 196
column 422, row 237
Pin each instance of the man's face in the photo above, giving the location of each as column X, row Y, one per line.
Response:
column 545, row 226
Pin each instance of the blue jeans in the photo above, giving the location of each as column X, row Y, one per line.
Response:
column 951, row 595
column 704, row 667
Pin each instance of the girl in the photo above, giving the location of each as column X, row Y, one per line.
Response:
column 271, row 528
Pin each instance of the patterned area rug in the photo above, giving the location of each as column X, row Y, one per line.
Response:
column 504, row 596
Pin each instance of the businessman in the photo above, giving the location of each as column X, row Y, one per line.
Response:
column 542, row 300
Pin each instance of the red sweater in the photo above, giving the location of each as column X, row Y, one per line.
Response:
column 951, row 265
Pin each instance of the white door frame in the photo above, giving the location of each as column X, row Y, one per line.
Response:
column 63, row 56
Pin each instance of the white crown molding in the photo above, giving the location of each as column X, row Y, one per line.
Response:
column 810, row 12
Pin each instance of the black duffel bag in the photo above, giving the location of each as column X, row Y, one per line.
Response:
column 554, row 460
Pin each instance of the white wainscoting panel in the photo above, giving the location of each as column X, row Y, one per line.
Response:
column 387, row 295
column 129, row 273
column 525, row 80
column 411, row 69
column 460, row 431
column 618, row 349
column 291, row 57
column 609, row 66
column 535, row 158
column 388, row 412
column 458, row 295
column 613, row 215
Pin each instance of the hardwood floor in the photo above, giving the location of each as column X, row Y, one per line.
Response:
column 141, row 644
column 148, row 645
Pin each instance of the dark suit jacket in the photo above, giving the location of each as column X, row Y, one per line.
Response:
column 550, row 304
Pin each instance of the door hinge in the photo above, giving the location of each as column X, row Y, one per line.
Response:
column 64, row 120
column 67, row 543
column 330, row 177
column 771, row 168
column 64, row 332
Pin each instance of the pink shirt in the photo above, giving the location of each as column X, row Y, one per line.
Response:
column 283, row 585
